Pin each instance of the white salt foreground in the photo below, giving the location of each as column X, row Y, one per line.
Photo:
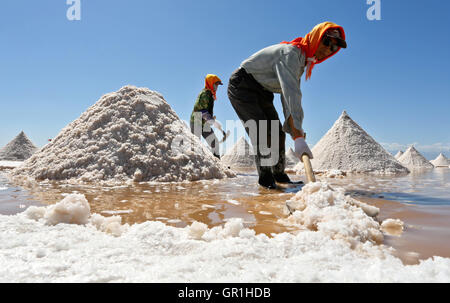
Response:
column 336, row 244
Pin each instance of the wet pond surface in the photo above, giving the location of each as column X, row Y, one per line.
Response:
column 420, row 199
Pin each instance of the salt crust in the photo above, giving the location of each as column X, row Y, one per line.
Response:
column 336, row 243
column 347, row 147
column 10, row 164
column 128, row 135
column 392, row 226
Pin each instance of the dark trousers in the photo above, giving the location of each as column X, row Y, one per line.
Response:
column 252, row 102
column 210, row 137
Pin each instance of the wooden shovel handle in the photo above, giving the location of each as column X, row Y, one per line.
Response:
column 308, row 168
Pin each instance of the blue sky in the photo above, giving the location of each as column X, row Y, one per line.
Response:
column 393, row 79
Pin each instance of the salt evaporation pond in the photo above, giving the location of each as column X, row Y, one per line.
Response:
column 168, row 216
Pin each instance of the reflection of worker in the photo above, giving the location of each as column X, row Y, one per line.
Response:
column 278, row 69
column 202, row 115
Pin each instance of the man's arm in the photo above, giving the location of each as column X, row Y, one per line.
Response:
column 295, row 133
column 287, row 70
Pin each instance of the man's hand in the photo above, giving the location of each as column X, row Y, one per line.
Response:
column 302, row 148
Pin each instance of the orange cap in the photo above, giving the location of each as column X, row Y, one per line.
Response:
column 210, row 80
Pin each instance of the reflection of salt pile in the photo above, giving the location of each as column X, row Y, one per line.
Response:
column 127, row 135
column 240, row 155
column 291, row 158
column 440, row 161
column 37, row 250
column 412, row 159
column 19, row 149
column 347, row 147
column 399, row 154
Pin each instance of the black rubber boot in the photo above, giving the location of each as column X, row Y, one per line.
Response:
column 284, row 178
column 267, row 180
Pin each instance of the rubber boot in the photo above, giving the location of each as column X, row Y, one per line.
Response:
column 278, row 171
column 284, row 178
column 266, row 178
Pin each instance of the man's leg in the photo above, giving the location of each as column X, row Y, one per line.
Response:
column 244, row 96
column 279, row 150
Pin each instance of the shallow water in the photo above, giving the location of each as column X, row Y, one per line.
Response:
column 420, row 199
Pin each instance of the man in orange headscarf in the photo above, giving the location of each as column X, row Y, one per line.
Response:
column 202, row 115
column 278, row 69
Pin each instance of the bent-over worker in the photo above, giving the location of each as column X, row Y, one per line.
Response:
column 278, row 69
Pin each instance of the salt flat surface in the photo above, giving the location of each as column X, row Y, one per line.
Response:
column 10, row 164
column 336, row 242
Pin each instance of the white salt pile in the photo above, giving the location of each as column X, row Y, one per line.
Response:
column 347, row 147
column 19, row 149
column 241, row 155
column 398, row 155
column 440, row 161
column 291, row 158
column 336, row 245
column 131, row 134
column 412, row 159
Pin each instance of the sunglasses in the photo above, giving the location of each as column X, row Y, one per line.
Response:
column 328, row 42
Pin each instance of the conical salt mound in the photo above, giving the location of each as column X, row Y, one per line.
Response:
column 291, row 158
column 131, row 134
column 19, row 149
column 440, row 161
column 412, row 159
column 347, row 147
column 398, row 155
column 240, row 155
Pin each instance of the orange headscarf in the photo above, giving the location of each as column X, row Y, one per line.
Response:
column 210, row 80
column 311, row 42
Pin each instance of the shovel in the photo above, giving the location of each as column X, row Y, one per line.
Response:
column 308, row 169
